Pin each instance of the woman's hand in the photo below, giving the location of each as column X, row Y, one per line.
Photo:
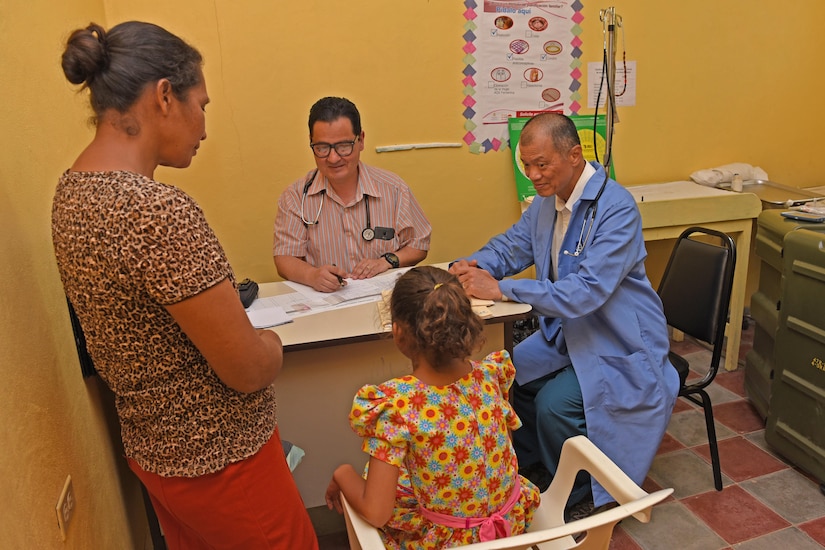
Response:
column 245, row 359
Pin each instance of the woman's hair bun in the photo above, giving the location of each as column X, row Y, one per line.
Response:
column 86, row 55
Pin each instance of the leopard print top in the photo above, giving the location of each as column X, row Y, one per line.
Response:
column 127, row 245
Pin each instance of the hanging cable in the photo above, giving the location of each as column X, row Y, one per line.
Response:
column 624, row 59
column 610, row 20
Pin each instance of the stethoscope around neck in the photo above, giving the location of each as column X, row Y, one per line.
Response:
column 368, row 232
column 589, row 219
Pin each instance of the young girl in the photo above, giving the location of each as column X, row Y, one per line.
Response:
column 442, row 469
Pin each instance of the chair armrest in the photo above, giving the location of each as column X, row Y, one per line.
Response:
column 599, row 525
column 579, row 453
column 362, row 535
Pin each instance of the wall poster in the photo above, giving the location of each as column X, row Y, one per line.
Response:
column 522, row 57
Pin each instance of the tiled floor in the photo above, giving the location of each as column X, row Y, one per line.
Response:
column 766, row 503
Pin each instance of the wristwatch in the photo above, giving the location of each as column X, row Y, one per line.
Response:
column 392, row 259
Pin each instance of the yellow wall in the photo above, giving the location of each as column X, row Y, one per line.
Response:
column 718, row 82
column 54, row 423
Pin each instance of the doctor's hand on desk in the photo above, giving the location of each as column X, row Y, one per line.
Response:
column 328, row 278
column 477, row 282
column 370, row 267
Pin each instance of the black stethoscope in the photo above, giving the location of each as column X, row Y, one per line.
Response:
column 367, row 234
column 589, row 219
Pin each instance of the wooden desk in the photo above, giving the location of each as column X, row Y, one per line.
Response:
column 667, row 209
column 328, row 357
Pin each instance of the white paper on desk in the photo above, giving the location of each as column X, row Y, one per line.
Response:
column 265, row 313
column 294, row 303
column 358, row 291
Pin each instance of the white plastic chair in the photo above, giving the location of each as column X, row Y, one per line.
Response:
column 548, row 529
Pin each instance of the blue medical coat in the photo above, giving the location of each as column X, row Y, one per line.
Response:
column 611, row 319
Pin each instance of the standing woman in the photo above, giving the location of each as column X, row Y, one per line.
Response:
column 158, row 302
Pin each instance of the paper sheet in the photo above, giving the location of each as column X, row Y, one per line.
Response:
column 265, row 313
column 355, row 292
column 363, row 288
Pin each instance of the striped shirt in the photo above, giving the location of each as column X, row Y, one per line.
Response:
column 336, row 238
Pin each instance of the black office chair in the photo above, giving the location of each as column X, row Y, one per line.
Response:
column 695, row 291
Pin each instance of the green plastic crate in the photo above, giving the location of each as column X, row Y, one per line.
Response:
column 771, row 231
column 796, row 416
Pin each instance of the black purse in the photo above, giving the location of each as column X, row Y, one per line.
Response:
column 248, row 291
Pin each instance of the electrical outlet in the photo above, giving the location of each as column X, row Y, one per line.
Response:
column 65, row 507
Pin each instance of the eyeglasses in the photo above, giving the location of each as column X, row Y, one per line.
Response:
column 343, row 148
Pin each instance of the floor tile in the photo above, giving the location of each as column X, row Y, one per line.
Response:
column 740, row 459
column 699, row 362
column 815, row 529
column 758, row 439
column 734, row 514
column 739, row 416
column 733, row 381
column 811, row 476
column 685, row 347
column 669, row 444
column 682, row 405
column 690, row 430
column 672, row 525
column 684, row 471
column 790, row 538
column 622, row 541
column 719, row 394
column 333, row 541
column 790, row 494
column 651, row 486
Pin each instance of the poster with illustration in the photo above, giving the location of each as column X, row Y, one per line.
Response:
column 522, row 58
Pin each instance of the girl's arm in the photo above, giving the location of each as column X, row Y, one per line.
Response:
column 373, row 498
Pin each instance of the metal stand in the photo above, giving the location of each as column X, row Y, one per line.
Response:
column 610, row 21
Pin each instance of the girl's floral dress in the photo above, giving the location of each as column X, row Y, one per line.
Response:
column 452, row 445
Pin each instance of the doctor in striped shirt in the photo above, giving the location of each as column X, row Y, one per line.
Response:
column 345, row 219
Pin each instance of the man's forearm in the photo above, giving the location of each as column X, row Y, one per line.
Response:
column 293, row 269
column 408, row 256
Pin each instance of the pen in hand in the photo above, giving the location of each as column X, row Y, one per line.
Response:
column 340, row 279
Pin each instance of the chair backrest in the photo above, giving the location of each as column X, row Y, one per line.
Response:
column 696, row 285
column 548, row 529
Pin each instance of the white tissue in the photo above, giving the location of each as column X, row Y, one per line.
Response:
column 712, row 177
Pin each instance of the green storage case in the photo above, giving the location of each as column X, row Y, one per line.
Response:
column 796, row 415
column 771, row 230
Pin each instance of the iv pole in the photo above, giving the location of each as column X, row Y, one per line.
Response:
column 609, row 23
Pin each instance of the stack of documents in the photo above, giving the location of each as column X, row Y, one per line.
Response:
column 480, row 307
column 265, row 313
column 304, row 300
column 384, row 312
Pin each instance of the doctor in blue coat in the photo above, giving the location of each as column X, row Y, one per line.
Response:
column 598, row 365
